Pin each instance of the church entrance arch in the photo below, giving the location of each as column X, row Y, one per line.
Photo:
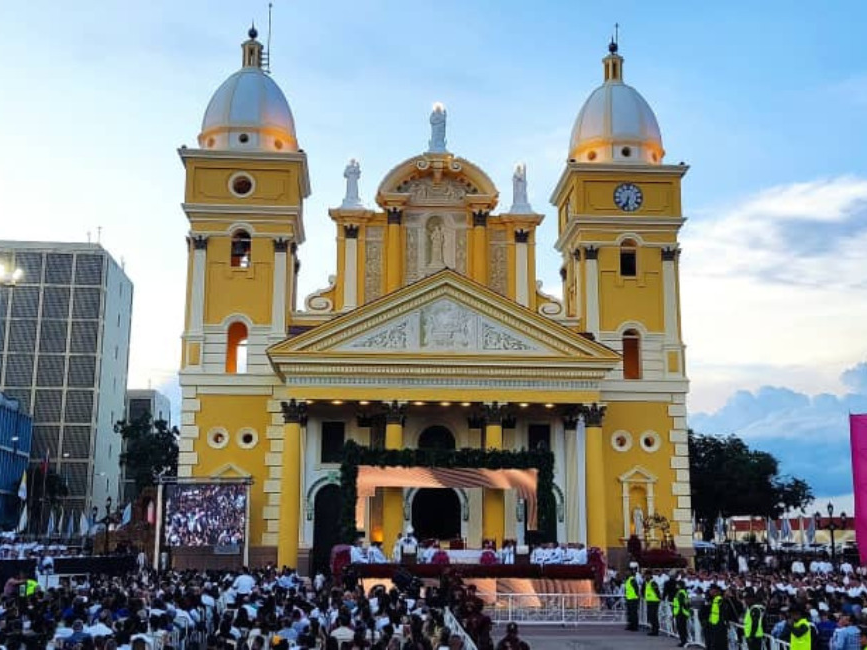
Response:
column 436, row 437
column 436, row 514
column 326, row 525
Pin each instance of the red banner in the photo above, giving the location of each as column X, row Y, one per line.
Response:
column 858, row 438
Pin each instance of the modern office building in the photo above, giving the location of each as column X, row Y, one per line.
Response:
column 64, row 350
column 15, row 438
column 141, row 401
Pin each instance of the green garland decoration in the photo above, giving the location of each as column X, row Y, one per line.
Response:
column 539, row 459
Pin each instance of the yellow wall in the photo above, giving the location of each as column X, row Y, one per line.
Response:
column 637, row 418
column 234, row 412
column 637, row 299
column 234, row 289
column 277, row 183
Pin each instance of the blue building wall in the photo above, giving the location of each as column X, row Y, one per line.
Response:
column 14, row 455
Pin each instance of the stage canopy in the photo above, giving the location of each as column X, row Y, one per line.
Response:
column 522, row 480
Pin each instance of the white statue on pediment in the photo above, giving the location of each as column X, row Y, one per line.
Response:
column 437, row 142
column 520, row 202
column 352, row 173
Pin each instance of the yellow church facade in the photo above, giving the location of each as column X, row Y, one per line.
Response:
column 434, row 331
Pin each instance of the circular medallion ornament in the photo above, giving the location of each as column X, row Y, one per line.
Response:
column 628, row 197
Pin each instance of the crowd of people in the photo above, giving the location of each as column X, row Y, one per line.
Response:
column 246, row 610
column 206, row 515
column 813, row 605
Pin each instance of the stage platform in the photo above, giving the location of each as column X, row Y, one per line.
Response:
column 527, row 571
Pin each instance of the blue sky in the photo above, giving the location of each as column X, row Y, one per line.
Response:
column 766, row 102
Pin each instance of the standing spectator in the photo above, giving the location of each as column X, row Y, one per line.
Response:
column 630, row 593
column 681, row 609
column 651, row 600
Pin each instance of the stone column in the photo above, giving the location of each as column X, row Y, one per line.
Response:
column 480, row 247
column 522, row 279
column 392, row 497
column 197, row 290
column 392, row 253
column 278, row 296
column 592, row 290
column 576, row 279
column 494, row 502
column 350, row 267
column 594, row 453
column 570, row 433
column 294, row 415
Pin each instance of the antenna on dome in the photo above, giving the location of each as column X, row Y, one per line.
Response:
column 266, row 56
column 614, row 44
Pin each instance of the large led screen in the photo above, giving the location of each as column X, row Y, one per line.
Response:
column 206, row 514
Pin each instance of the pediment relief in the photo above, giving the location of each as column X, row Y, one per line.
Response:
column 436, row 180
column 230, row 470
column 444, row 325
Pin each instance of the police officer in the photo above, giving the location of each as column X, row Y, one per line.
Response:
column 630, row 593
column 802, row 637
column 681, row 610
column 715, row 625
column 651, row 602
column 754, row 622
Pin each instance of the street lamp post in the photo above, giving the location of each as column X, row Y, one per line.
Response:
column 831, row 527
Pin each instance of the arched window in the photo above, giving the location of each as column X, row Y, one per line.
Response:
column 628, row 259
column 631, row 355
column 241, row 244
column 436, row 437
column 236, row 348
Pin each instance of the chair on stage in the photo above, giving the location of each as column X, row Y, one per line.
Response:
column 457, row 544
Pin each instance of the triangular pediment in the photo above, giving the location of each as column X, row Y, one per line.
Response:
column 230, row 470
column 445, row 315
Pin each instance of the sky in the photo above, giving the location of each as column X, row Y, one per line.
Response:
column 765, row 101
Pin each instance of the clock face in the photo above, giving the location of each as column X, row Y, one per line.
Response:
column 628, row 197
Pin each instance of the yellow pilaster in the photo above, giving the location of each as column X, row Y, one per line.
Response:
column 392, row 250
column 392, row 499
column 290, row 497
column 494, row 503
column 596, row 515
column 480, row 247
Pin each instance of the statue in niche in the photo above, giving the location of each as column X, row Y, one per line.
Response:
column 437, row 142
column 437, row 239
column 352, row 173
column 638, row 521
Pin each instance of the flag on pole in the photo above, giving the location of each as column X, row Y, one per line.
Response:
column 786, row 530
column 46, row 459
column 858, row 441
column 22, row 520
column 127, row 515
column 83, row 524
column 60, row 521
column 51, row 523
column 22, row 486
column 811, row 531
column 772, row 533
column 70, row 525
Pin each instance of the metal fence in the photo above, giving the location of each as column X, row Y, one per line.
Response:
column 455, row 626
column 561, row 609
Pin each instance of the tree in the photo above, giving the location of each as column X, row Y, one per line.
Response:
column 728, row 478
column 151, row 449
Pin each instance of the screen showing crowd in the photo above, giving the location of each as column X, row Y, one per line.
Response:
column 213, row 514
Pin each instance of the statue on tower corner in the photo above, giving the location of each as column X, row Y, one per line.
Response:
column 352, row 173
column 437, row 142
column 520, row 203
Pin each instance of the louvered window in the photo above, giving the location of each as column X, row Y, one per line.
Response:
column 49, row 371
column 31, row 267
column 76, row 478
column 25, row 302
column 47, row 406
column 22, row 336
column 55, row 302
column 45, row 438
column 22, row 396
column 79, row 406
column 76, row 442
column 88, row 269
column 83, row 337
column 58, row 268
column 52, row 337
column 81, row 371
column 85, row 303
column 19, row 370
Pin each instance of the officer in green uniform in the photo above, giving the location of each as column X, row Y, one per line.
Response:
column 754, row 622
column 681, row 610
column 630, row 593
column 651, row 602
column 802, row 637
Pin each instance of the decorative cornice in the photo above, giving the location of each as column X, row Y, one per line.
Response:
column 200, row 243
column 670, row 254
column 294, row 412
column 480, row 218
column 593, row 415
column 395, row 216
column 281, row 245
column 522, row 236
column 350, row 231
column 592, row 252
column 395, row 413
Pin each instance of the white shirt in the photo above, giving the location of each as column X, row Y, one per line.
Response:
column 581, row 556
column 376, row 556
column 244, row 584
column 357, row 555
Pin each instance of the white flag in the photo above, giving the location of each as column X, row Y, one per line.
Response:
column 83, row 524
column 22, row 486
column 127, row 515
column 51, row 524
column 22, row 521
